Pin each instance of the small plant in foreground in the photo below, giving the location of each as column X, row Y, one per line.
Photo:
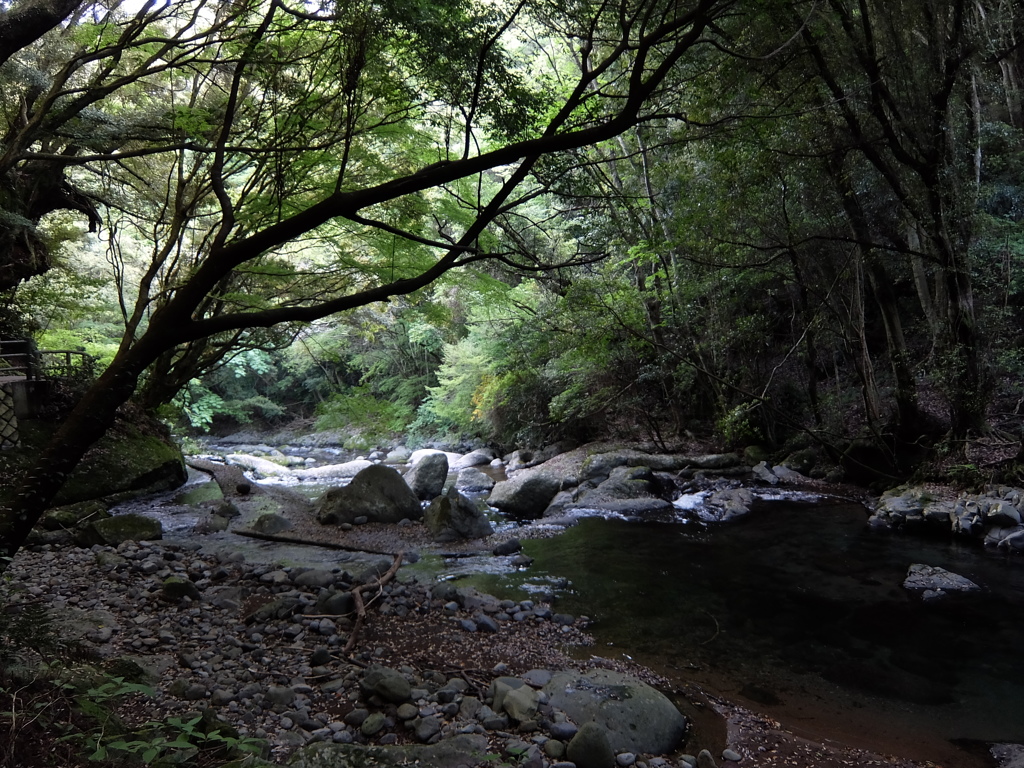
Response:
column 173, row 737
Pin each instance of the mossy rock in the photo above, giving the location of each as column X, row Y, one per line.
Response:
column 198, row 494
column 114, row 530
column 801, row 461
column 127, row 461
column 755, row 454
column 73, row 515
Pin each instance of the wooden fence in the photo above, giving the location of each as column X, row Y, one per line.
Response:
column 23, row 373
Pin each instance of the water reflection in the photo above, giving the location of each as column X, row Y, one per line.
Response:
column 804, row 602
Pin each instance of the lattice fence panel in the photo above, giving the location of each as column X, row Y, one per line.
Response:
column 9, row 437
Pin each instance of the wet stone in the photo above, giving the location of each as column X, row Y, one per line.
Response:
column 373, row 724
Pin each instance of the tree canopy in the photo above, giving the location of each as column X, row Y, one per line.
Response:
column 778, row 220
column 384, row 139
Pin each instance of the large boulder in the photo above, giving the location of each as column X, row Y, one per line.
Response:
column 345, row 469
column 726, row 505
column 636, row 718
column 378, row 493
column 600, row 465
column 453, row 516
column 473, row 459
column 628, row 490
column 399, row 455
column 934, row 581
column 472, row 480
column 418, row 455
column 127, row 461
column 428, row 475
column 259, row 465
column 526, row 494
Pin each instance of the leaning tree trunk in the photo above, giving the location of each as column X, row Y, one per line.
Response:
column 86, row 424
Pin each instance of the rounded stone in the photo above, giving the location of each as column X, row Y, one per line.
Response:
column 373, row 724
column 589, row 748
column 389, row 684
column 554, row 749
column 636, row 717
column 564, row 730
column 427, row 728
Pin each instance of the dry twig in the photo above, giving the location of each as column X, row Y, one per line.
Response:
column 357, row 595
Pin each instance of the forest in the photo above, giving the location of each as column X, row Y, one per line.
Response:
column 767, row 222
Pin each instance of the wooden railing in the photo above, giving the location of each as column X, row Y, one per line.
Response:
column 20, row 359
column 66, row 364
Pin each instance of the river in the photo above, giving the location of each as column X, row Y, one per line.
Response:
column 799, row 612
column 796, row 611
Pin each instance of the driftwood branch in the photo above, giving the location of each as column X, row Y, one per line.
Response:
column 310, row 542
column 357, row 594
column 343, row 547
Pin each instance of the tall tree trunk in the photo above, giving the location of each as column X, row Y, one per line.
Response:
column 908, row 413
column 811, row 353
column 862, row 357
column 923, row 287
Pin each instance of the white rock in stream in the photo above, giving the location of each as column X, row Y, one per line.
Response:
column 346, row 469
column 264, row 467
column 936, row 581
column 419, row 454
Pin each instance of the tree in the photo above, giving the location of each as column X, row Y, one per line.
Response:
column 449, row 66
column 901, row 84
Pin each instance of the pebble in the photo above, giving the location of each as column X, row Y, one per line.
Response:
column 244, row 647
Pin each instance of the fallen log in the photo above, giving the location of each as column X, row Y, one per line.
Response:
column 309, row 542
column 344, row 547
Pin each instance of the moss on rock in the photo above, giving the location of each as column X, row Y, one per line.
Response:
column 114, row 530
column 130, row 459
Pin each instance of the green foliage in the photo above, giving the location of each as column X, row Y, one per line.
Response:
column 463, row 378
column 746, row 260
column 170, row 740
column 25, row 626
column 358, row 410
column 198, row 405
column 229, row 393
column 738, row 426
column 966, row 475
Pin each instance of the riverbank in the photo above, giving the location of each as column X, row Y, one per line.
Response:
column 283, row 677
column 206, row 547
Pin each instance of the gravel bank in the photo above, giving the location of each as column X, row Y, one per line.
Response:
column 263, row 647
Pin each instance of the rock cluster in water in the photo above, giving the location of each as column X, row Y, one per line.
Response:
column 934, row 582
column 994, row 517
column 556, row 484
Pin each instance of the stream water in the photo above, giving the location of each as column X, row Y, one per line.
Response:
column 799, row 612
